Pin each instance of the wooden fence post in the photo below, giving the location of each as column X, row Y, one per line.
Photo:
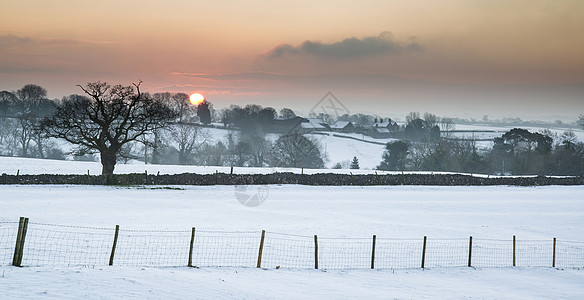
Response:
column 373, row 253
column 315, row 252
column 514, row 257
column 111, row 261
column 261, row 249
column 469, row 251
column 191, row 247
column 24, row 230
column 20, row 238
column 424, row 252
column 554, row 259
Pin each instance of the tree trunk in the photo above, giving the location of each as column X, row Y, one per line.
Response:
column 183, row 157
column 39, row 143
column 108, row 163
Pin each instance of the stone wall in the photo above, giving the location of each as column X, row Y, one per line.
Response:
column 325, row 179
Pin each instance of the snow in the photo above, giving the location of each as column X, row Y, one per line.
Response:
column 31, row 166
column 495, row 212
column 492, row 131
column 241, row 283
column 339, row 149
column 336, row 147
column 491, row 212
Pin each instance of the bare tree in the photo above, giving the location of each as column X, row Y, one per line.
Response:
column 412, row 116
column 180, row 103
column 297, row 151
column 446, row 125
column 287, row 113
column 30, row 106
column 569, row 137
column 111, row 117
column 186, row 139
column 259, row 148
column 431, row 119
column 186, row 111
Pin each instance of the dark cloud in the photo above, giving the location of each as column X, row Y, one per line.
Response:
column 348, row 48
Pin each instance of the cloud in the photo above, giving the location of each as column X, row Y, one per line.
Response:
column 351, row 47
column 14, row 41
column 253, row 75
column 225, row 90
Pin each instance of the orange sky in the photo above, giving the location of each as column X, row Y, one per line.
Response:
column 289, row 53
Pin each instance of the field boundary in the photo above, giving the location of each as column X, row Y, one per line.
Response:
column 320, row 179
column 25, row 243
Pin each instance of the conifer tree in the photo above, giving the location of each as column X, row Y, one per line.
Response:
column 355, row 163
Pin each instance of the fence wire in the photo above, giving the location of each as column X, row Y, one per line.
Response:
column 48, row 244
column 344, row 253
column 8, row 232
column 288, row 251
column 443, row 253
column 569, row 254
column 398, row 253
column 226, row 249
column 152, row 248
column 532, row 253
column 488, row 253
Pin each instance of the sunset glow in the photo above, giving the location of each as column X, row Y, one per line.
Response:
column 467, row 57
column 196, row 99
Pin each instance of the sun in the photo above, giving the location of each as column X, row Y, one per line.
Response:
column 196, row 99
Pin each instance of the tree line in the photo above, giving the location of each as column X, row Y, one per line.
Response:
column 516, row 152
column 119, row 123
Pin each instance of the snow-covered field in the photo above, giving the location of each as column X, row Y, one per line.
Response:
column 534, row 213
column 490, row 131
column 389, row 211
column 241, row 283
column 31, row 166
column 342, row 150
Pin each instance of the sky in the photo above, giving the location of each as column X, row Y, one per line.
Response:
column 457, row 58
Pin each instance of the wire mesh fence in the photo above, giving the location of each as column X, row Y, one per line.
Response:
column 49, row 244
column 442, row 253
column 226, row 249
column 491, row 253
column 288, row 251
column 398, row 253
column 8, row 232
column 151, row 248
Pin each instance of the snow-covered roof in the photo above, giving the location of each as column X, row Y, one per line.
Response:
column 310, row 125
column 340, row 124
column 384, row 124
